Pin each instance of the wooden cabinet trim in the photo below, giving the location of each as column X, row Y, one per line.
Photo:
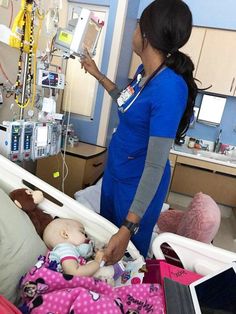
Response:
column 206, row 165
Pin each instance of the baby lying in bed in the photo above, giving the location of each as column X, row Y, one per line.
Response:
column 72, row 251
column 66, row 280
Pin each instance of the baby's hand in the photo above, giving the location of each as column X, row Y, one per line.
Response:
column 99, row 256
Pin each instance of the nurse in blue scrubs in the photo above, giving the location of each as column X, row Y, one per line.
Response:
column 154, row 110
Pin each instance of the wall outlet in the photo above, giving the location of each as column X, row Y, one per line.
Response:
column 4, row 3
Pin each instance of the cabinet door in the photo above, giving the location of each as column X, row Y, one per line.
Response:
column 189, row 180
column 192, row 48
column 217, row 64
column 194, row 45
column 73, row 181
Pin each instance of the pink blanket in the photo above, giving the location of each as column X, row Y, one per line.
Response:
column 45, row 291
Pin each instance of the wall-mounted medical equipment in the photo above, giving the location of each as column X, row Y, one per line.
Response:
column 10, row 134
column 82, row 33
column 50, row 79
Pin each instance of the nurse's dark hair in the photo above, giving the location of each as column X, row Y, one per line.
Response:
column 167, row 26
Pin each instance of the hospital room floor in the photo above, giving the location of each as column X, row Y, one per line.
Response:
column 226, row 236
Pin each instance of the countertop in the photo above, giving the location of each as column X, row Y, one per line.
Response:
column 198, row 154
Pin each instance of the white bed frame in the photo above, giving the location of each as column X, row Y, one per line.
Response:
column 197, row 256
column 11, row 178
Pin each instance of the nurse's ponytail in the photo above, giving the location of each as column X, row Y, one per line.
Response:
column 184, row 66
column 167, row 26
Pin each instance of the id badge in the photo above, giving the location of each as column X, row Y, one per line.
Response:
column 125, row 95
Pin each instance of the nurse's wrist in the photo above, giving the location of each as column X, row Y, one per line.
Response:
column 133, row 217
column 101, row 77
column 123, row 231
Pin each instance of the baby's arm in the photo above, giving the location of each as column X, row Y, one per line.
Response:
column 72, row 267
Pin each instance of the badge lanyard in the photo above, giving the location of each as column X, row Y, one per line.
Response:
column 129, row 90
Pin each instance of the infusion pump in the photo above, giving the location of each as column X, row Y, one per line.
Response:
column 10, row 136
column 46, row 140
column 24, row 140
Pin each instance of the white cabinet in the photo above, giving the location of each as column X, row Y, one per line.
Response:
column 194, row 45
column 192, row 48
column 217, row 63
column 213, row 54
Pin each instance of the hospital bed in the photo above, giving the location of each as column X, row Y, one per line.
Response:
column 197, row 256
column 13, row 177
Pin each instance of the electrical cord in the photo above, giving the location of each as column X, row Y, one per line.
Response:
column 40, row 19
column 65, row 170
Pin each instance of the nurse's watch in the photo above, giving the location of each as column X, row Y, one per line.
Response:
column 131, row 226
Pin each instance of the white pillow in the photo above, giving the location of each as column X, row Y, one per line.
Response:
column 20, row 246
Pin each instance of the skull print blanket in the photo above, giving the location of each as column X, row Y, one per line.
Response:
column 46, row 291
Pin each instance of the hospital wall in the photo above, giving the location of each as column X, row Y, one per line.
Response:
column 221, row 14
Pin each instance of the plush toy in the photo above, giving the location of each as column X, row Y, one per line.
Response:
column 200, row 221
column 28, row 200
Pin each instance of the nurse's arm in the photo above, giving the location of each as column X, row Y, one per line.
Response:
column 157, row 155
column 88, row 64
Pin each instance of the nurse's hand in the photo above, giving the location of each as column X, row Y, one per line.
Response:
column 88, row 64
column 117, row 246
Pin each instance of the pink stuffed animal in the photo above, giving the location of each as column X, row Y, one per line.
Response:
column 200, row 221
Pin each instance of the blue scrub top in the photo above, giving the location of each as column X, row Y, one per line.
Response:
column 156, row 112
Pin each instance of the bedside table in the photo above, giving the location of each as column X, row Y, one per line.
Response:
column 85, row 164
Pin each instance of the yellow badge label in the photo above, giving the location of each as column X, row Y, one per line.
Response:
column 56, row 174
column 65, row 37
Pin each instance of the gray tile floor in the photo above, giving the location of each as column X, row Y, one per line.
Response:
column 226, row 236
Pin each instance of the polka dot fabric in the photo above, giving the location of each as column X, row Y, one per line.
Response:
column 45, row 291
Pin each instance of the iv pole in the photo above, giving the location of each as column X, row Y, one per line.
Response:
column 24, row 85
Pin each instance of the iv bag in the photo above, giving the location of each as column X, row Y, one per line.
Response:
column 47, row 5
column 51, row 21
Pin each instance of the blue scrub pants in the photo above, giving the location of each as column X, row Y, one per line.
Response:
column 116, row 199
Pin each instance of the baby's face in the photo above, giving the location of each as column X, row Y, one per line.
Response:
column 76, row 233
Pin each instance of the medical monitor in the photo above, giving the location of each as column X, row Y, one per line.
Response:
column 86, row 33
column 82, row 33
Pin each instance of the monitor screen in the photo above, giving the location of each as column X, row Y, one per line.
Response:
column 91, row 36
column 211, row 110
column 42, row 136
column 49, row 79
column 218, row 294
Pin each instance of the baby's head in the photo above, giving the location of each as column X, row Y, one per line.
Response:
column 63, row 230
